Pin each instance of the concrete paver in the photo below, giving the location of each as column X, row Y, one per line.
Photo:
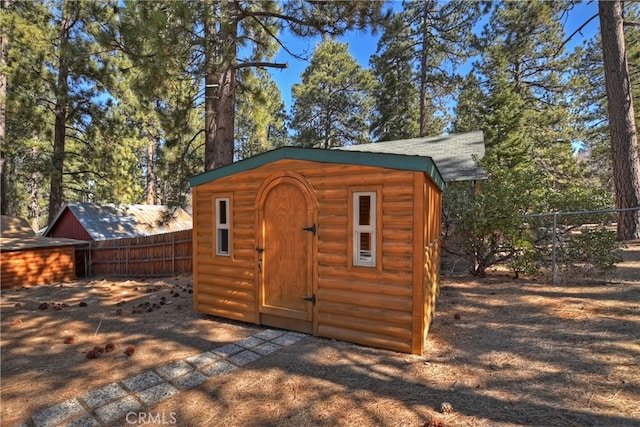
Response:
column 142, row 381
column 157, row 393
column 58, row 413
column 191, row 380
column 244, row 358
column 103, row 395
column 174, row 370
column 228, row 350
column 219, row 368
column 118, row 409
column 203, row 359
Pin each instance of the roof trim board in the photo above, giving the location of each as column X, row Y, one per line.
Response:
column 382, row 160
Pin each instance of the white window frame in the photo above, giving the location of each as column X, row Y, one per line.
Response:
column 220, row 226
column 359, row 258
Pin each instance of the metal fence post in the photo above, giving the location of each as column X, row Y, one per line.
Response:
column 553, row 248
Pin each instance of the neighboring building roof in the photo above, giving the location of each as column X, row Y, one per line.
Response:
column 13, row 226
column 10, row 244
column 16, row 234
column 416, row 162
column 455, row 155
column 110, row 221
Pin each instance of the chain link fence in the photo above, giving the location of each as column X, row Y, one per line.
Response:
column 567, row 227
column 565, row 244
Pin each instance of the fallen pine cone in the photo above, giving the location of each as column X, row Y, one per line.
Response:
column 98, row 349
column 109, row 347
column 92, row 354
column 434, row 422
column 130, row 350
column 456, row 316
column 446, row 408
column 43, row 306
column 69, row 340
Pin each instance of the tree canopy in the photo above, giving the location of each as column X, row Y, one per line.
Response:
column 333, row 103
column 122, row 101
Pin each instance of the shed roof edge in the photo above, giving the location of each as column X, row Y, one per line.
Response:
column 383, row 160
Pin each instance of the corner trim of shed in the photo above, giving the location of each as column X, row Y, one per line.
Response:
column 385, row 160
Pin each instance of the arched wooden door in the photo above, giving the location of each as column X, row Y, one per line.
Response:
column 286, row 252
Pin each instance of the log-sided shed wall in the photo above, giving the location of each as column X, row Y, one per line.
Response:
column 389, row 305
column 27, row 259
column 37, row 264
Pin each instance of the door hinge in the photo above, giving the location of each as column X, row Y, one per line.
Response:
column 311, row 229
column 311, row 299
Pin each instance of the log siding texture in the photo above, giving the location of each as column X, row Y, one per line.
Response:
column 37, row 266
column 390, row 305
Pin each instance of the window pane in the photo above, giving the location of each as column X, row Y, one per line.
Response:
column 223, row 241
column 365, row 242
column 364, row 203
column 222, row 209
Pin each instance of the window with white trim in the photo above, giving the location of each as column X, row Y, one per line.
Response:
column 222, row 227
column 364, row 229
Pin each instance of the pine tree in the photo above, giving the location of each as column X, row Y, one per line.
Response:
column 522, row 97
column 4, row 56
column 622, row 121
column 396, row 96
column 441, row 34
column 260, row 115
column 332, row 104
column 528, row 116
column 470, row 106
column 212, row 41
column 28, row 125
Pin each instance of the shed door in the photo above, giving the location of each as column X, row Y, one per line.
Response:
column 286, row 257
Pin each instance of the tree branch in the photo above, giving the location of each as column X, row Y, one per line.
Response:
column 260, row 64
column 277, row 39
column 564, row 43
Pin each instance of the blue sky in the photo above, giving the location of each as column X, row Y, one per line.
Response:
column 363, row 45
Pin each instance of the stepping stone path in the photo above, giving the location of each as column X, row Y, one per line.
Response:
column 114, row 401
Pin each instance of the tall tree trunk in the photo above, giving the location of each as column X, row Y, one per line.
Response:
column 60, row 131
column 34, row 195
column 423, row 71
column 4, row 55
column 151, row 173
column 624, row 137
column 220, row 85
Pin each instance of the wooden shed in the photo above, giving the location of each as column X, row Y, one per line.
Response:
column 27, row 259
column 337, row 244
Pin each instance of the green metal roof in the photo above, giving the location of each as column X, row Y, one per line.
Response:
column 382, row 160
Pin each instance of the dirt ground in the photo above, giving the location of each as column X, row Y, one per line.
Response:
column 502, row 352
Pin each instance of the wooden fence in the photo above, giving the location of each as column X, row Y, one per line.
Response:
column 152, row 256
